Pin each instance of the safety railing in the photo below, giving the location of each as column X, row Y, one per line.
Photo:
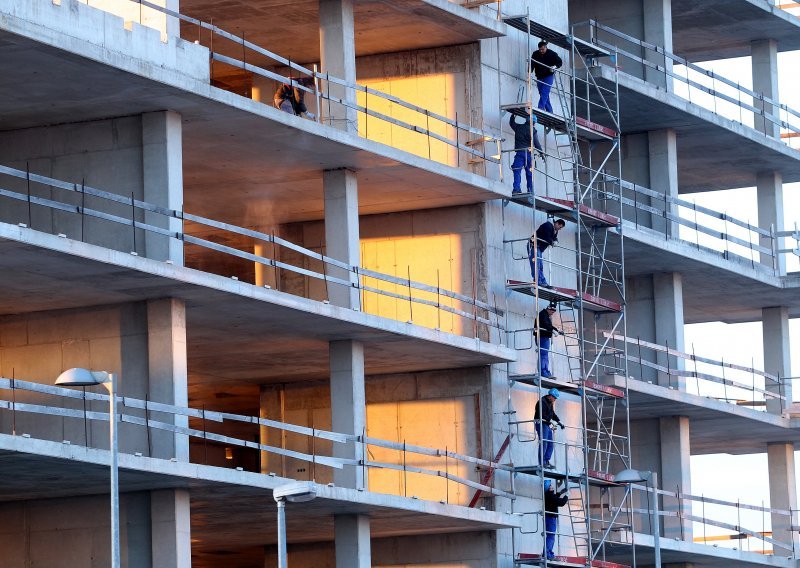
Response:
column 82, row 212
column 35, row 409
column 709, row 89
column 430, row 134
column 706, row 520
column 724, row 381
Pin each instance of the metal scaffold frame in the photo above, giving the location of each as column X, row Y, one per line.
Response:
column 584, row 192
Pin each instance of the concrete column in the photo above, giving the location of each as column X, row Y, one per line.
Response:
column 657, row 24
column 168, row 375
column 769, row 189
column 777, row 354
column 675, row 474
column 351, row 534
column 348, row 416
column 162, row 175
column 663, row 156
column 170, row 529
column 782, row 495
column 668, row 312
column 342, row 233
column 338, row 59
column 271, row 408
column 764, row 61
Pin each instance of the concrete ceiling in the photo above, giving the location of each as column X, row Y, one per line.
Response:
column 291, row 28
column 226, row 137
column 719, row 29
column 237, row 332
column 747, row 288
column 716, row 427
column 713, row 152
column 224, row 500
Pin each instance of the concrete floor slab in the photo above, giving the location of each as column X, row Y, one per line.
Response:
column 226, row 136
column 236, row 331
column 720, row 29
column 380, row 26
column 706, row 141
column 225, row 500
column 716, row 427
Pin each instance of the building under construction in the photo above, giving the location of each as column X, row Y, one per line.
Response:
column 277, row 243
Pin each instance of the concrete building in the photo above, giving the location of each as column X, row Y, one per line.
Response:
column 342, row 295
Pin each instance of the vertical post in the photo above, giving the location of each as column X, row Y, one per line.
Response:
column 114, row 447
column 656, row 521
column 282, row 534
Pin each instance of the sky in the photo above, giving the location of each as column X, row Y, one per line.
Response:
column 725, row 476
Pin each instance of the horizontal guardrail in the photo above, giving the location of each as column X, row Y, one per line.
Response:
column 471, row 309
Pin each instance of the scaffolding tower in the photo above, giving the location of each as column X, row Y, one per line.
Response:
column 579, row 188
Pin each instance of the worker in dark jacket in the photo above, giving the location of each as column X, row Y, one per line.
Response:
column 545, row 236
column 290, row 97
column 552, row 501
column 522, row 150
column 544, row 63
column 544, row 417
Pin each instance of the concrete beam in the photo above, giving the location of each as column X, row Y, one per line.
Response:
column 782, row 495
column 162, row 177
column 342, row 232
column 764, row 62
column 338, row 58
column 777, row 354
column 769, row 190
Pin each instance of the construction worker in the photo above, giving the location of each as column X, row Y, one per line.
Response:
column 289, row 97
column 552, row 501
column 543, row 418
column 522, row 150
column 545, row 236
column 544, row 63
column 544, row 336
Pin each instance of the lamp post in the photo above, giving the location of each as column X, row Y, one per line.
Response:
column 86, row 378
column 628, row 476
column 299, row 492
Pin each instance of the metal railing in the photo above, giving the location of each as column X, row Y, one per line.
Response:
column 46, row 405
column 709, row 89
column 724, row 381
column 236, row 52
column 29, row 192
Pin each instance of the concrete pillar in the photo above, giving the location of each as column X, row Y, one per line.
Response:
column 271, row 407
column 338, row 59
column 782, row 495
column 348, row 416
column 657, row 24
column 342, row 233
column 170, row 529
column 769, row 189
column 168, row 375
column 663, row 156
column 764, row 61
column 162, row 175
column 777, row 354
column 668, row 311
column 351, row 534
column 675, row 474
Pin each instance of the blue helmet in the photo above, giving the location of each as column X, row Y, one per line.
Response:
column 534, row 119
column 547, row 484
column 554, row 393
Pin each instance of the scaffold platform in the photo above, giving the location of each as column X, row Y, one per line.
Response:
column 566, row 209
column 525, row 559
column 590, row 387
column 556, row 294
column 586, row 129
column 564, row 41
column 592, row 477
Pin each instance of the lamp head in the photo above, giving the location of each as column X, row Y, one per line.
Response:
column 632, row 476
column 298, row 492
column 77, row 377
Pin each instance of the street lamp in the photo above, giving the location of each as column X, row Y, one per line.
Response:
column 87, row 378
column 298, row 492
column 628, row 476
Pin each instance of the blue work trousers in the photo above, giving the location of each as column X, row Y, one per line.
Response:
column 550, row 529
column 522, row 160
column 544, row 85
column 539, row 264
column 545, row 442
column 544, row 356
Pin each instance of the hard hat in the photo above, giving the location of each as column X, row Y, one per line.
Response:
column 554, row 393
column 547, row 484
column 534, row 119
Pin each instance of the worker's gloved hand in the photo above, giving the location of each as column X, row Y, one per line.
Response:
column 553, row 68
column 541, row 155
column 561, row 425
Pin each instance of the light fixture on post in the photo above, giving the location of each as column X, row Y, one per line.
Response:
column 629, row 476
column 299, row 492
column 87, row 378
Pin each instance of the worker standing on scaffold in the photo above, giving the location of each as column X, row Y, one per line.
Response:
column 544, row 63
column 543, row 418
column 523, row 159
column 552, row 501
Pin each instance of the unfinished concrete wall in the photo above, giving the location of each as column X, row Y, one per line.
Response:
column 146, row 16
